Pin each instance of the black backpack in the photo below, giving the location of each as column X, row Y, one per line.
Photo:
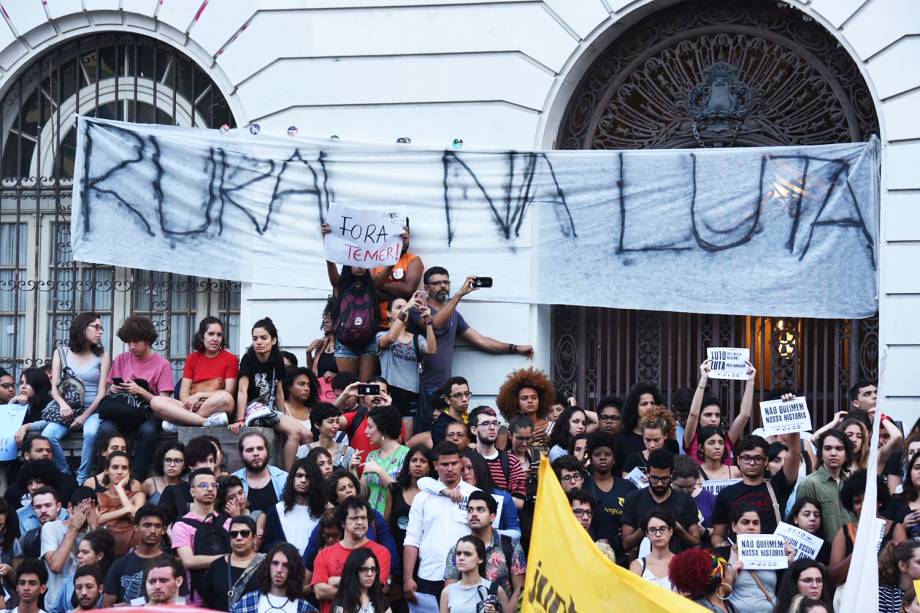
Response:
column 211, row 539
column 31, row 543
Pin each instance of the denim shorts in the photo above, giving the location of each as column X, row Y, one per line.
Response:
column 344, row 351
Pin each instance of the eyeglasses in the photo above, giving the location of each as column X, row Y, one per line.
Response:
column 8, row 386
column 492, row 423
column 523, row 439
column 444, row 282
column 173, row 461
column 582, row 512
column 207, row 486
column 368, row 570
column 95, row 327
column 572, row 478
column 659, row 530
column 658, row 479
column 610, row 418
column 751, row 459
column 357, row 519
column 459, row 395
column 244, row 533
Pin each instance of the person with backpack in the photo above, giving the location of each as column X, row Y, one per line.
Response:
column 201, row 536
column 473, row 593
column 233, row 575
column 505, row 562
column 505, row 467
column 356, row 314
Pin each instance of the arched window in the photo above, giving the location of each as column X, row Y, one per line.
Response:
column 113, row 75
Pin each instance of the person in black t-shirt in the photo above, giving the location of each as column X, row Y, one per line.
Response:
column 609, row 491
column 659, row 494
column 754, row 490
column 124, row 581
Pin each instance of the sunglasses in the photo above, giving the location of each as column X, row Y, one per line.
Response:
column 243, row 533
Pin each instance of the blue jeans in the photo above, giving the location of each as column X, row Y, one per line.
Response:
column 90, row 431
column 55, row 432
column 145, row 443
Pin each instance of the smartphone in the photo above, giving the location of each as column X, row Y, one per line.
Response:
column 118, row 380
column 371, row 389
column 482, row 282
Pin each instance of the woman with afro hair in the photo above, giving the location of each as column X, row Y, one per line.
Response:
column 704, row 578
column 528, row 391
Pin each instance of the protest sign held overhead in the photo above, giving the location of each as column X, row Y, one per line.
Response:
column 785, row 416
column 728, row 362
column 806, row 545
column 365, row 238
column 567, row 572
column 762, row 552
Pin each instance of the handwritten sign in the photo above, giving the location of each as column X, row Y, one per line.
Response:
column 11, row 417
column 781, row 417
column 806, row 545
column 363, row 237
column 762, row 552
column 728, row 362
column 717, row 485
column 638, row 477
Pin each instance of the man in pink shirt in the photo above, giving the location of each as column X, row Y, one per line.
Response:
column 143, row 373
column 203, row 486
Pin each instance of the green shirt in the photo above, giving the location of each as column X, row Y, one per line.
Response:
column 823, row 488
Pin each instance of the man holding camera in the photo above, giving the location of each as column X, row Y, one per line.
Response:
column 449, row 323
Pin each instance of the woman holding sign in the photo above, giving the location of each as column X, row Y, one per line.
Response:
column 754, row 590
column 706, row 411
column 356, row 315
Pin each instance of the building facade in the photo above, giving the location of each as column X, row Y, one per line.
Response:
column 513, row 74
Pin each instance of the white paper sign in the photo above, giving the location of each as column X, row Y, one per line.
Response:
column 762, row 552
column 365, row 238
column 11, row 416
column 728, row 362
column 780, row 417
column 638, row 477
column 806, row 545
column 880, row 525
column 717, row 485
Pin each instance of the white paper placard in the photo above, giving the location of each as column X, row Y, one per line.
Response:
column 638, row 477
column 365, row 238
column 762, row 552
column 11, row 416
column 806, row 545
column 728, row 362
column 780, row 417
column 717, row 485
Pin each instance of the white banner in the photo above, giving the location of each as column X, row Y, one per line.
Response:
column 788, row 231
column 762, row 552
column 717, row 485
column 728, row 362
column 363, row 238
column 11, row 418
column 806, row 545
column 783, row 417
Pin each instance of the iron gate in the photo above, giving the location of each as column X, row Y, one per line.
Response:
column 115, row 76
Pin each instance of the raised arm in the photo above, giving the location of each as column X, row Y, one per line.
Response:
column 747, row 407
column 405, row 287
column 693, row 417
column 442, row 317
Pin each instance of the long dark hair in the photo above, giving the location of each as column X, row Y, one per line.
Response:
column 316, row 499
column 484, row 479
column 160, row 455
column 76, row 340
column 41, row 386
column 348, row 282
column 560, row 434
column 290, row 375
column 631, row 404
column 11, row 527
column 909, row 491
column 788, row 588
column 102, row 542
column 203, row 325
column 224, row 483
column 349, row 595
column 404, row 478
column 293, row 588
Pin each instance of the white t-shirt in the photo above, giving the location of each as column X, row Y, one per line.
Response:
column 297, row 524
column 53, row 534
column 435, row 525
column 274, row 605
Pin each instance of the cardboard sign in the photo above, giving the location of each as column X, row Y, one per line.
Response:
column 638, row 477
column 365, row 238
column 728, row 362
column 717, row 485
column 806, row 545
column 11, row 417
column 762, row 552
column 780, row 417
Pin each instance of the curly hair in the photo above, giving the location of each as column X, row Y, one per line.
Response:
column 659, row 418
column 137, row 328
column 291, row 373
column 696, row 573
column 631, row 404
column 507, row 399
column 294, row 585
column 102, row 542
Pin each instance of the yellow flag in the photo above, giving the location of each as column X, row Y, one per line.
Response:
column 566, row 572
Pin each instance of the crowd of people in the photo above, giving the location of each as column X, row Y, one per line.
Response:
column 392, row 493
